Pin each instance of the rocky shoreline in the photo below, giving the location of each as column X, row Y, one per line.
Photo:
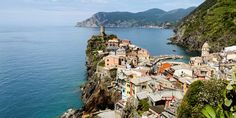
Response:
column 95, row 92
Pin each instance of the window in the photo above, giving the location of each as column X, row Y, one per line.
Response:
column 107, row 59
column 143, row 86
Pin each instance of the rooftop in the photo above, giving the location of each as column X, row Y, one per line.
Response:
column 141, row 80
column 230, row 49
column 142, row 95
column 157, row 96
column 111, row 56
column 185, row 66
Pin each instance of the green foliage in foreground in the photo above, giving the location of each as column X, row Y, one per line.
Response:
column 226, row 108
column 199, row 94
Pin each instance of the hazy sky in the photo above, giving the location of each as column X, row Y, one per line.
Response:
column 68, row 12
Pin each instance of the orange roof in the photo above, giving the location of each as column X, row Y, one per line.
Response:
column 164, row 67
column 114, row 39
column 126, row 41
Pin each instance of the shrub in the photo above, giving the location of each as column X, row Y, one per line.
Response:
column 199, row 94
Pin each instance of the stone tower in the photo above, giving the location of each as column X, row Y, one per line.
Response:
column 205, row 49
column 102, row 30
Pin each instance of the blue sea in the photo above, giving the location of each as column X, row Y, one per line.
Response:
column 42, row 68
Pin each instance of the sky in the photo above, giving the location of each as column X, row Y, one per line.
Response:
column 68, row 12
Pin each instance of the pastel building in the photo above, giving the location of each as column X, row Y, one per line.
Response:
column 139, row 85
column 182, row 70
column 123, row 81
column 143, row 54
column 113, row 42
column 125, row 43
column 196, row 61
column 111, row 61
column 121, row 52
column 203, row 72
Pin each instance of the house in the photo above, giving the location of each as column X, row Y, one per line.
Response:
column 182, row 70
column 185, row 82
column 196, row 61
column 125, row 43
column 165, row 97
column 231, row 56
column 132, row 53
column 160, row 82
column 111, row 61
column 230, row 49
column 112, row 45
column 144, row 70
column 203, row 72
column 139, row 85
column 132, row 61
column 121, row 52
column 143, row 54
column 113, row 42
column 123, row 80
column 163, row 67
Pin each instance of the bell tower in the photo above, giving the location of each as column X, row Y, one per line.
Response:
column 205, row 49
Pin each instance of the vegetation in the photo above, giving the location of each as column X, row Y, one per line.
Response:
column 143, row 106
column 96, row 43
column 152, row 17
column 201, row 93
column 213, row 21
column 102, row 63
column 226, row 108
column 113, row 73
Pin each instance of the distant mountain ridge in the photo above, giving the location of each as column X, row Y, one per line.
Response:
column 151, row 17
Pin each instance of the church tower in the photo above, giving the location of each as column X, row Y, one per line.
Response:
column 102, row 31
column 205, row 49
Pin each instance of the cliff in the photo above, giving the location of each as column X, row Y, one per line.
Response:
column 96, row 94
column 152, row 17
column 213, row 21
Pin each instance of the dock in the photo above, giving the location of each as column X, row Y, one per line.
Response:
column 166, row 57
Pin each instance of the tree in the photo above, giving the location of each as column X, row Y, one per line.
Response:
column 201, row 93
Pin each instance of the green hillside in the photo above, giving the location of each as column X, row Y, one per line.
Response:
column 213, row 21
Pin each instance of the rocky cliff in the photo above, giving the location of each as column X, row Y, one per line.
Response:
column 213, row 21
column 96, row 94
column 152, row 17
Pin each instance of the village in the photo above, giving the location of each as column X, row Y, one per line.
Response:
column 157, row 79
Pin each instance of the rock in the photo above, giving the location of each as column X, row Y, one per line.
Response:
column 70, row 113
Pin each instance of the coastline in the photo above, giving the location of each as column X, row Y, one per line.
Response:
column 145, row 27
column 122, row 77
column 94, row 83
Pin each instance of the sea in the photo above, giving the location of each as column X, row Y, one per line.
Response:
column 42, row 68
